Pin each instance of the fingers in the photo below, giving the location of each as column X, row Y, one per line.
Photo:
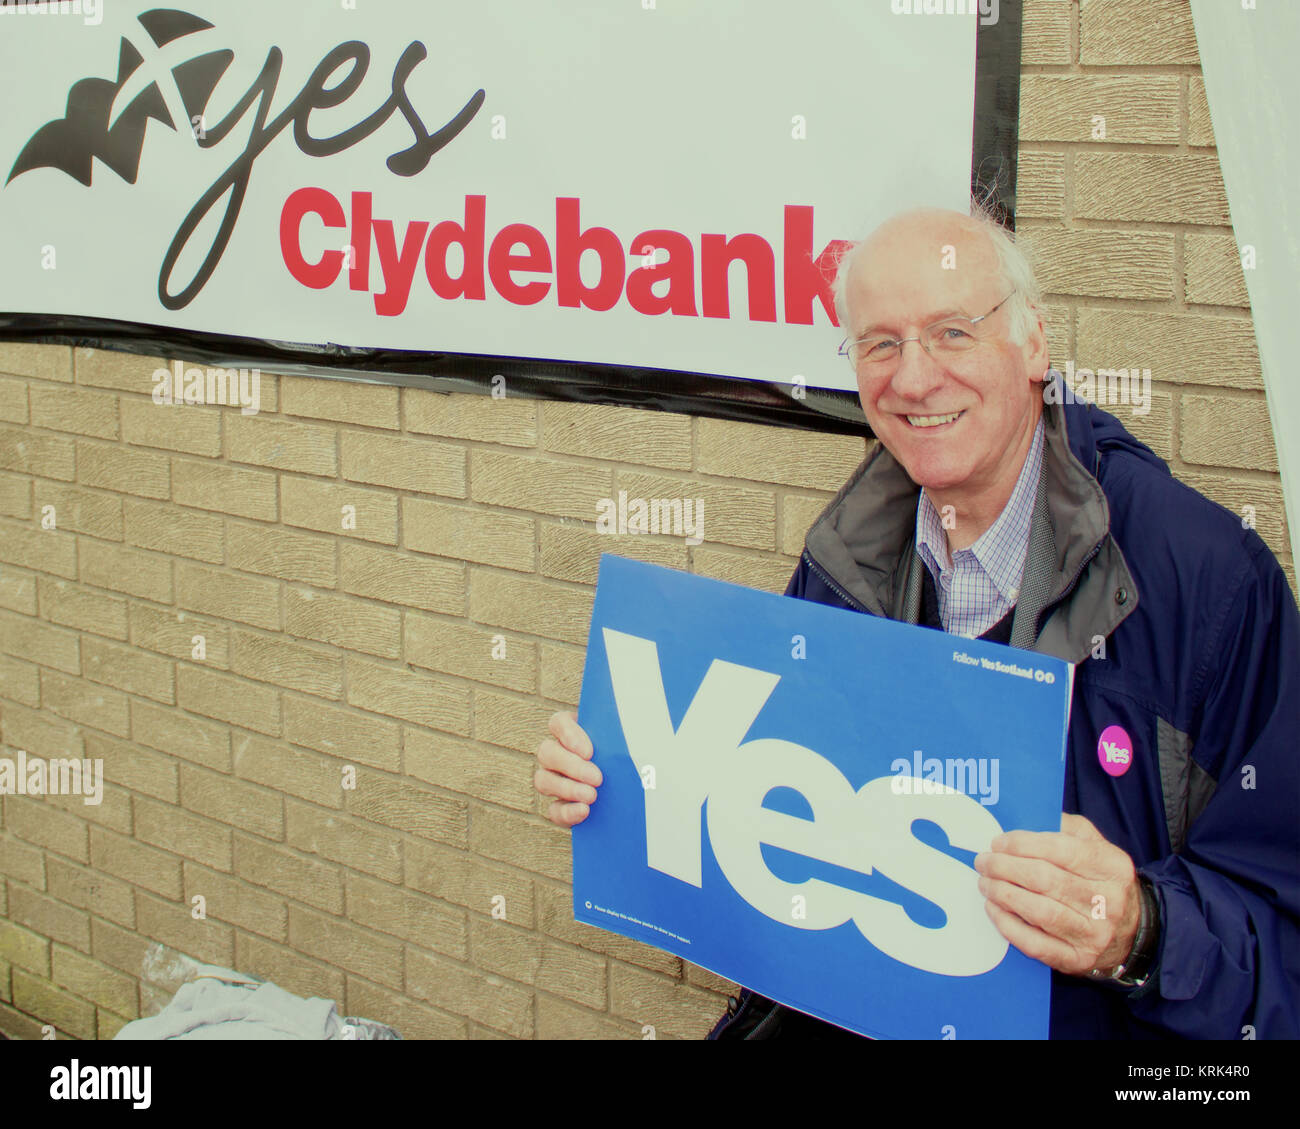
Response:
column 566, row 815
column 564, row 728
column 566, row 770
column 1067, row 851
column 563, row 787
column 551, row 754
column 1079, row 827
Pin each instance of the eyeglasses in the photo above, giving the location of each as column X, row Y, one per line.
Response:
column 946, row 338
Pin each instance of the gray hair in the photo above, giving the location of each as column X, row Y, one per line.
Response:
column 1013, row 268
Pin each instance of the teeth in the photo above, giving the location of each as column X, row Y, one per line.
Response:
column 931, row 421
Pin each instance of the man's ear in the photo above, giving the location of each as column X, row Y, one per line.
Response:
column 1037, row 356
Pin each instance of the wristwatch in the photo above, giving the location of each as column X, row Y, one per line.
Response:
column 1134, row 971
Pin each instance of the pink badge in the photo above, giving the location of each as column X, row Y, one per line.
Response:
column 1115, row 750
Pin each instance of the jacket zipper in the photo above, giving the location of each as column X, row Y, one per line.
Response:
column 843, row 595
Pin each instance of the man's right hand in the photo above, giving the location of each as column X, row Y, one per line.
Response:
column 565, row 770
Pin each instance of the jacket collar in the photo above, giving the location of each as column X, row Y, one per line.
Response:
column 864, row 541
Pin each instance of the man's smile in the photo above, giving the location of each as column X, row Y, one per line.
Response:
column 933, row 422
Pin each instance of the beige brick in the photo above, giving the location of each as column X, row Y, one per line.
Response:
column 49, row 918
column 348, row 401
column 136, row 768
column 548, row 486
column 95, row 982
column 399, row 578
column 470, row 652
column 15, row 1025
column 1235, row 494
column 6, row 990
column 268, row 658
column 28, row 452
column 344, row 622
column 85, row 703
column 131, row 571
column 208, row 941
column 531, row 606
column 1151, row 187
column 13, row 400
column 228, row 595
column 112, row 811
column 20, row 682
column 409, row 1019
column 24, row 949
column 91, row 890
column 1213, row 271
column 420, row 465
column 528, row 842
column 767, row 574
column 338, row 838
column 513, row 723
column 17, row 591
column 731, row 515
column 16, row 496
column 561, row 673
column 40, row 734
column 45, row 550
column 345, row 946
column 571, row 552
column 557, row 1019
column 228, row 490
column 409, row 915
column 108, row 1024
column 435, row 702
column 371, row 515
column 170, row 529
column 292, row 972
column 1200, row 129
column 1177, row 348
column 54, row 1006
column 1136, row 108
column 772, row 454
column 226, row 899
column 117, row 468
column 281, row 553
column 21, row 863
column 129, row 669
column 77, row 410
column 108, row 368
column 798, row 512
column 1227, row 431
column 174, row 633
column 1110, row 264
column 283, row 768
column 179, row 735
column 192, row 428
column 179, row 832
column 675, row 1010
column 342, row 733
column 405, row 806
column 46, row 362
column 229, row 699
column 232, row 801
column 1045, row 33
column 123, row 950
column 703, row 978
column 509, row 420
column 458, row 877
column 468, row 534
column 472, row 770
column 482, row 997
column 1112, row 32
column 282, row 444
column 1040, row 186
column 630, row 435
column 551, row 967
column 555, row 919
column 1155, row 428
column 71, row 605
column 306, row 880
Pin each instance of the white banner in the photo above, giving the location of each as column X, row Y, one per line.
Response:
column 659, row 184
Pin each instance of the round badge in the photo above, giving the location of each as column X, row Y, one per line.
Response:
column 1115, row 750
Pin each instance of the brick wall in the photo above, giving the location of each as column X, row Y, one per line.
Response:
column 431, row 894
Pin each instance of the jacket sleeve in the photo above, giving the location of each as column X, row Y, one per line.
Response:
column 1228, row 964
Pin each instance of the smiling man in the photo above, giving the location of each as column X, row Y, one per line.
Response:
column 1168, row 904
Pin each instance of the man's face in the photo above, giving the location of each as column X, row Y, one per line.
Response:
column 900, row 286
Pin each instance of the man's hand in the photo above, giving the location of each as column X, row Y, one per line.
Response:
column 566, row 771
column 1070, row 899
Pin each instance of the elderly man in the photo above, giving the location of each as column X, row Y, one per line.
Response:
column 996, row 506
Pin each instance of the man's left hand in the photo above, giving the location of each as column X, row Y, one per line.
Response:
column 1070, row 899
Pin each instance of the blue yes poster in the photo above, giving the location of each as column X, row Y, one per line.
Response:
column 794, row 794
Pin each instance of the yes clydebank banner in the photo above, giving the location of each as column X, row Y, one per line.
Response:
column 654, row 183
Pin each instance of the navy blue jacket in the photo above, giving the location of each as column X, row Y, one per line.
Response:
column 1185, row 634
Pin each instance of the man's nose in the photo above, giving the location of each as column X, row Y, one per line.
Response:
column 917, row 374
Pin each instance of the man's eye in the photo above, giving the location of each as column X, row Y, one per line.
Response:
column 878, row 347
column 953, row 333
